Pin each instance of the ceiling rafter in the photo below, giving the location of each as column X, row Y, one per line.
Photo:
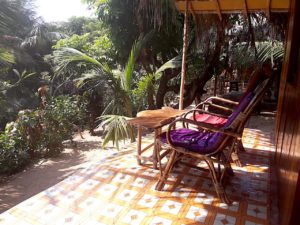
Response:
column 234, row 6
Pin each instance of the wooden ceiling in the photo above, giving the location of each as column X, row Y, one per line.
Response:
column 234, row 6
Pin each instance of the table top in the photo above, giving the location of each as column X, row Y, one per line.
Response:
column 156, row 118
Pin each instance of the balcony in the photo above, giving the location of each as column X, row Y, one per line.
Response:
column 115, row 190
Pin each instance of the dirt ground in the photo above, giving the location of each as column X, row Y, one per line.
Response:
column 49, row 172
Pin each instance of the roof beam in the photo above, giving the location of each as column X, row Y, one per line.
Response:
column 234, row 6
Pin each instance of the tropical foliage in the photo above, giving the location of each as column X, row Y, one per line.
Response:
column 100, row 72
column 39, row 133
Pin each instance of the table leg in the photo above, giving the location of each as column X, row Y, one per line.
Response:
column 139, row 145
column 156, row 150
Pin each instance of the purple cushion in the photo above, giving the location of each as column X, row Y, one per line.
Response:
column 241, row 107
column 193, row 140
column 204, row 142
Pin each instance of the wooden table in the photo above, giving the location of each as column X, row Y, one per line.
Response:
column 153, row 119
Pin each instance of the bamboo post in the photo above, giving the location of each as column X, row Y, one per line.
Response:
column 215, row 85
column 184, row 52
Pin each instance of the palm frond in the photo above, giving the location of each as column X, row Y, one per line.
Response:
column 8, row 15
column 66, row 56
column 134, row 54
column 4, row 86
column 145, row 84
column 116, row 129
column 6, row 57
column 171, row 64
column 272, row 51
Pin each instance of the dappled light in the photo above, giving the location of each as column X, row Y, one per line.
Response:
column 115, row 189
column 146, row 111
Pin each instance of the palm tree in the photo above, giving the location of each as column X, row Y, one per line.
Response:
column 118, row 85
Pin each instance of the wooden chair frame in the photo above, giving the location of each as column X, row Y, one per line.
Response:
column 233, row 133
column 203, row 108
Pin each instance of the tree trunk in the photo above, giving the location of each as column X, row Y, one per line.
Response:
column 163, row 86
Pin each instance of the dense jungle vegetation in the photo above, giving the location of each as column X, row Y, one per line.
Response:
column 60, row 77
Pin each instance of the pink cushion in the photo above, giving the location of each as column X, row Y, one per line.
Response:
column 210, row 119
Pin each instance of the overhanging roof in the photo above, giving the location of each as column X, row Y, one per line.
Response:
column 234, row 6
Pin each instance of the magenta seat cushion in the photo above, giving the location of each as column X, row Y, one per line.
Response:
column 210, row 119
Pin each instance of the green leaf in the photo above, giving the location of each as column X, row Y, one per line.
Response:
column 116, row 129
column 171, row 64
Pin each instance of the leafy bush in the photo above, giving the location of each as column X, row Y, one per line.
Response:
column 38, row 133
column 12, row 154
column 58, row 121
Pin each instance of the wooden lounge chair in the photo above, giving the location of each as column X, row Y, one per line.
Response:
column 203, row 113
column 209, row 143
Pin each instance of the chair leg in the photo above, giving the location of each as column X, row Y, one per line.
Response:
column 235, row 154
column 241, row 146
column 228, row 168
column 216, row 178
column 163, row 178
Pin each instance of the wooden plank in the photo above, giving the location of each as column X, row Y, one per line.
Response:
column 288, row 124
column 235, row 6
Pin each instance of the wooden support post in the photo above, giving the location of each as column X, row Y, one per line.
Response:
column 218, row 9
column 184, row 52
column 139, row 145
column 268, row 11
column 216, row 85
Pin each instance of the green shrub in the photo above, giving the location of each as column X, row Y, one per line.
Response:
column 12, row 157
column 38, row 134
column 58, row 121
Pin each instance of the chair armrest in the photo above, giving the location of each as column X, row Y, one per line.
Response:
column 224, row 108
column 194, row 111
column 234, row 103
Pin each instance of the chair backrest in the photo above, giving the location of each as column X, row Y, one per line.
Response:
column 232, row 122
column 238, row 118
column 258, row 77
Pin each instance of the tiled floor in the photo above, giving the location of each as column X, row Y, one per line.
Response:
column 117, row 191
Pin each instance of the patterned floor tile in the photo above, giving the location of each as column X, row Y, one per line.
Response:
column 252, row 223
column 105, row 174
column 49, row 212
column 160, row 221
column 134, row 217
column 89, row 184
column 107, row 190
column 197, row 214
column 140, row 182
column 233, row 207
column 118, row 191
column 148, row 201
column 127, row 195
column 204, row 198
column 111, row 210
column 171, row 207
column 257, row 211
column 122, row 178
column 181, row 192
column 222, row 219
